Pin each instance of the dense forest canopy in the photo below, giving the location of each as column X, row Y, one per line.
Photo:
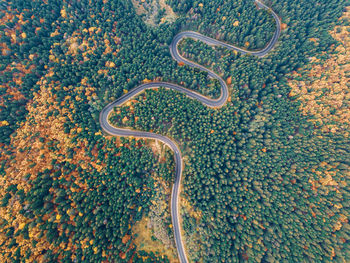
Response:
column 265, row 179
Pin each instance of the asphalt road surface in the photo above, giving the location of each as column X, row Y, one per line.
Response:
column 110, row 129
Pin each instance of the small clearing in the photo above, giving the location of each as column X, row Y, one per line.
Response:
column 158, row 148
column 191, row 235
column 155, row 12
column 154, row 233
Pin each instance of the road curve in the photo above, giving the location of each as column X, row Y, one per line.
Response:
column 111, row 130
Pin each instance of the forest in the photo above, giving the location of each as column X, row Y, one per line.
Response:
column 266, row 176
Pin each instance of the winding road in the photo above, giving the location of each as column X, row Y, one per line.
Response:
column 111, row 130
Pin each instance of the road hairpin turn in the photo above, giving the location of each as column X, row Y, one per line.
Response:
column 109, row 129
